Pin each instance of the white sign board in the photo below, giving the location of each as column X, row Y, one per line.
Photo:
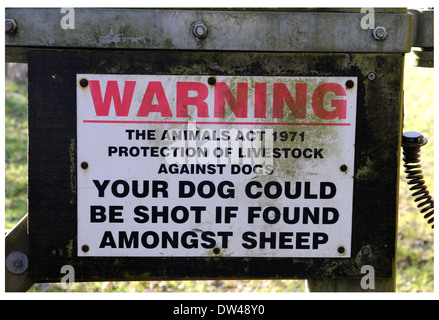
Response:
column 198, row 166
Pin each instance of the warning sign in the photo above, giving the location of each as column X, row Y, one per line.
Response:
column 198, row 166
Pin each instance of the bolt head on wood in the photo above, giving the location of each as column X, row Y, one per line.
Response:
column 379, row 33
column 199, row 30
column 10, row 26
column 17, row 262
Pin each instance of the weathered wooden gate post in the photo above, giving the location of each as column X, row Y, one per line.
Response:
column 213, row 144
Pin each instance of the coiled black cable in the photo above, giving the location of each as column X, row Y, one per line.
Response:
column 411, row 144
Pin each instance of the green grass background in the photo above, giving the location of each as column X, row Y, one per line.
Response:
column 415, row 261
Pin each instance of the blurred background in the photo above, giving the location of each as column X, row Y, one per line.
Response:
column 415, row 254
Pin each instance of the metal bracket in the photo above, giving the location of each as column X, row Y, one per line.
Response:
column 423, row 36
column 16, row 251
column 293, row 30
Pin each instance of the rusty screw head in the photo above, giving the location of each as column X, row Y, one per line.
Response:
column 10, row 26
column 349, row 84
column 83, row 83
column 211, row 81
